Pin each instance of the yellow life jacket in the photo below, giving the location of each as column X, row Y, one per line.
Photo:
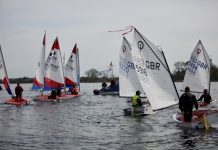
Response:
column 134, row 100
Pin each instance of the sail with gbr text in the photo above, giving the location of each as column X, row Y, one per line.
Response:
column 197, row 75
column 128, row 79
column 153, row 73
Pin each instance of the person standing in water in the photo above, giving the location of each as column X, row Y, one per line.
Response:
column 186, row 102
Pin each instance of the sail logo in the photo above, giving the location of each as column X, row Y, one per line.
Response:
column 70, row 60
column 140, row 45
column 198, row 51
column 194, row 64
column 69, row 68
column 54, row 67
column 124, row 49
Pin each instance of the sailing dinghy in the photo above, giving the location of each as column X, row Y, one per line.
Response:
column 153, row 74
column 53, row 74
column 128, row 79
column 200, row 119
column 197, row 75
column 4, row 77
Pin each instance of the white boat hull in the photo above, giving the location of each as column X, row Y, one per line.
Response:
column 199, row 117
column 140, row 111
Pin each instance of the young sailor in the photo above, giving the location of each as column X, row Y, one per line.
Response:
column 136, row 100
column 207, row 98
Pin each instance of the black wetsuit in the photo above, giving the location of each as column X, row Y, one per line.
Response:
column 207, row 98
column 18, row 92
column 186, row 102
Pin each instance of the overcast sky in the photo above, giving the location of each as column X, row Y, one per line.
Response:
column 176, row 25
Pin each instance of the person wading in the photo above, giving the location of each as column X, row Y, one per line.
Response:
column 186, row 102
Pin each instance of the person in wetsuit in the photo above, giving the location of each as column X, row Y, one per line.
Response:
column 206, row 96
column 186, row 102
column 18, row 92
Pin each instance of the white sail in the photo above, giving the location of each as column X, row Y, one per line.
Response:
column 197, row 75
column 39, row 78
column 54, row 76
column 71, row 69
column 128, row 79
column 3, row 73
column 153, row 73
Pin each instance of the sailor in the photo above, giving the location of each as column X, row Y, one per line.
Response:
column 18, row 92
column 73, row 89
column 53, row 94
column 104, row 85
column 186, row 102
column 207, row 98
column 136, row 100
column 58, row 90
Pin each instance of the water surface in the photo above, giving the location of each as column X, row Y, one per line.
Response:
column 92, row 122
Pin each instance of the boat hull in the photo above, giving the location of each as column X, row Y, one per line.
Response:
column 16, row 102
column 212, row 105
column 44, row 98
column 199, row 118
column 139, row 111
column 98, row 92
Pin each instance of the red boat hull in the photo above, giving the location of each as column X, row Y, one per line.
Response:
column 44, row 98
column 17, row 102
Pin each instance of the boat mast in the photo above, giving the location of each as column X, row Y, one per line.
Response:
column 78, row 68
column 43, row 72
column 63, row 72
column 3, row 61
column 210, row 74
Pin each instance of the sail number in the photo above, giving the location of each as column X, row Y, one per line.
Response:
column 193, row 65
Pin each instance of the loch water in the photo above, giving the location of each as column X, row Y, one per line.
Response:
column 90, row 122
